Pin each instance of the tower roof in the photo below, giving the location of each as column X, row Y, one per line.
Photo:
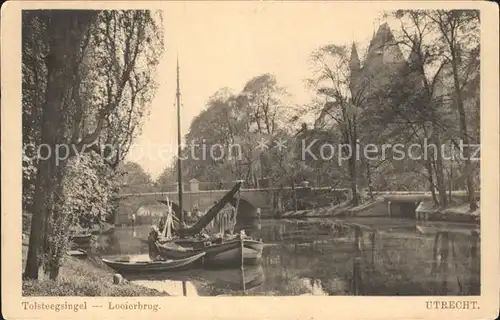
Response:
column 384, row 60
column 382, row 37
column 354, row 63
column 383, row 49
column 414, row 76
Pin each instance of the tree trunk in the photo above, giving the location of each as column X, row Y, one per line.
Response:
column 463, row 129
column 271, row 193
column 54, row 272
column 450, row 183
column 369, row 176
column 37, row 223
column 64, row 32
column 47, row 169
column 428, row 166
column 353, row 182
column 352, row 163
column 443, row 199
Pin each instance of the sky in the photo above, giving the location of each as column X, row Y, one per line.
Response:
column 225, row 44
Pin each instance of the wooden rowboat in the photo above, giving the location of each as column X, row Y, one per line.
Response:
column 152, row 266
column 81, row 238
column 105, row 228
column 79, row 253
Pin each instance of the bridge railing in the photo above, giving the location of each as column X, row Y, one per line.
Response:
column 174, row 192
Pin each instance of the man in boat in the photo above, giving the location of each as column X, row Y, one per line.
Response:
column 152, row 238
column 133, row 220
column 195, row 215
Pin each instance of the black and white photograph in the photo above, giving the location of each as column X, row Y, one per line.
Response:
column 251, row 149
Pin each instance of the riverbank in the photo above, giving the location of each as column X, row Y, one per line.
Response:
column 375, row 207
column 83, row 277
column 378, row 207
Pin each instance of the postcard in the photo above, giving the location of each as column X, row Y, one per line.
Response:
column 250, row 160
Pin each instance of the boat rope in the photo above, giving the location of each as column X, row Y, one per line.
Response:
column 221, row 222
column 163, row 232
column 167, row 228
column 168, row 224
column 211, row 213
column 236, row 211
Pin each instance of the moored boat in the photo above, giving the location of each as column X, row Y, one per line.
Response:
column 103, row 228
column 221, row 250
column 81, row 239
column 153, row 266
column 79, row 253
column 226, row 253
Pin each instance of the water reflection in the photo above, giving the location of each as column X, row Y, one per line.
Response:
column 314, row 258
column 204, row 282
column 314, row 286
column 173, row 288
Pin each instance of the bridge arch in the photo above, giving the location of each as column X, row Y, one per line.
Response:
column 246, row 210
column 148, row 209
column 148, row 212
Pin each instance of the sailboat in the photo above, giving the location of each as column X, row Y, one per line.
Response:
column 220, row 250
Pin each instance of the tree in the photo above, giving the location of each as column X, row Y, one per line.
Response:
column 86, row 199
column 262, row 101
column 67, row 58
column 221, row 142
column 167, row 178
column 459, row 33
column 134, row 178
column 262, row 97
column 209, row 155
column 286, row 165
column 427, row 108
column 129, row 44
column 408, row 107
column 34, row 82
column 64, row 32
column 333, row 73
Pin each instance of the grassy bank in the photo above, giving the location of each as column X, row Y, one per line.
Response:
column 89, row 277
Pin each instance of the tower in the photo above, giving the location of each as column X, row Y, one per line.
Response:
column 355, row 72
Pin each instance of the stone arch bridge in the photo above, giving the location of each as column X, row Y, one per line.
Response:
column 268, row 200
column 271, row 201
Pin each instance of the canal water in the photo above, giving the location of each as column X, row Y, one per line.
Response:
column 375, row 256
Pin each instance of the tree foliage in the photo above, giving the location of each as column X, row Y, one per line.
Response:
column 88, row 79
column 417, row 84
column 221, row 142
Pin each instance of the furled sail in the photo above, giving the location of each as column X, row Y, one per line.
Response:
column 211, row 213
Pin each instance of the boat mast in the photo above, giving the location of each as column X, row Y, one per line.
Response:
column 179, row 148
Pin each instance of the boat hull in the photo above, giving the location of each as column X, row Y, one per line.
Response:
column 81, row 241
column 226, row 254
column 153, row 266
